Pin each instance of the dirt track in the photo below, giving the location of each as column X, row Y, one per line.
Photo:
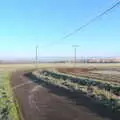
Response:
column 39, row 103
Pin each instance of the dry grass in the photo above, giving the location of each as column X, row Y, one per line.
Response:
column 12, row 67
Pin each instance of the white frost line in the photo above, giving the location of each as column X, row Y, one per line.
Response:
column 35, row 88
column 21, row 85
column 31, row 98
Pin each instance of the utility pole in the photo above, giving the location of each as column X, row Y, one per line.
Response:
column 75, row 53
column 36, row 57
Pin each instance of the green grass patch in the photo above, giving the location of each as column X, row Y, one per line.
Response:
column 8, row 110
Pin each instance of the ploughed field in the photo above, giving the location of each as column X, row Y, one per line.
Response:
column 68, row 93
column 105, row 73
column 43, row 99
column 104, row 92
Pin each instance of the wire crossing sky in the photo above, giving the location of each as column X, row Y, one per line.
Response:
column 27, row 23
column 89, row 22
column 92, row 20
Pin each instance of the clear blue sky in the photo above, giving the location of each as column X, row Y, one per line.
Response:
column 25, row 23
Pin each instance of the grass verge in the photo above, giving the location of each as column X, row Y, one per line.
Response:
column 8, row 105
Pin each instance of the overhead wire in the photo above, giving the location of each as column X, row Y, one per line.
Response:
column 88, row 23
column 92, row 20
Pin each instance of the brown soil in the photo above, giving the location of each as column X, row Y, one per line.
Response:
column 76, row 71
column 87, row 72
column 41, row 101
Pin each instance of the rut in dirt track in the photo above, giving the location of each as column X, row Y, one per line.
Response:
column 39, row 103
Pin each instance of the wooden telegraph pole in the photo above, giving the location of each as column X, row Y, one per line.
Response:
column 75, row 54
column 36, row 57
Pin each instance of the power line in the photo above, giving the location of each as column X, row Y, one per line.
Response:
column 92, row 20
column 88, row 23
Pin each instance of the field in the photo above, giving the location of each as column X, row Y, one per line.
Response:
column 105, row 74
column 60, row 91
column 104, row 91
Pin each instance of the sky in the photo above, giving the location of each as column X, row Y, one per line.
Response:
column 27, row 23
